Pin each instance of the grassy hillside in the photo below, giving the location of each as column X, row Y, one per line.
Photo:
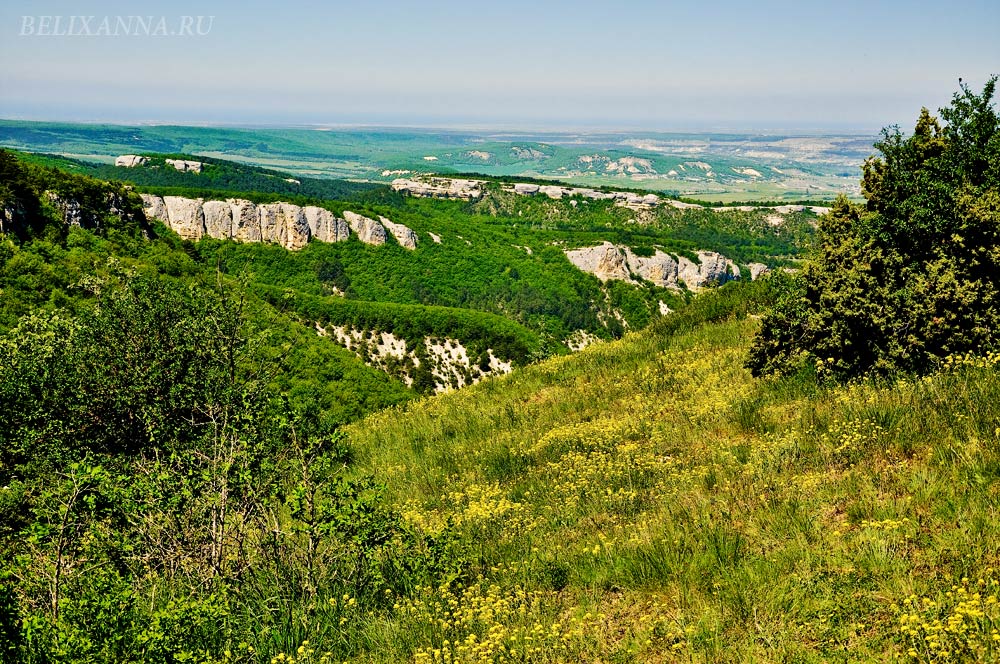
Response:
column 646, row 500
column 192, row 471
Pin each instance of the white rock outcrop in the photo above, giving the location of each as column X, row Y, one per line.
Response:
column 72, row 213
column 605, row 261
column 609, row 262
column 281, row 223
column 627, row 199
column 368, row 230
column 434, row 187
column 660, row 268
column 404, row 235
column 757, row 270
column 154, row 207
column 218, row 219
column 185, row 216
column 448, row 360
column 246, row 220
column 713, row 269
column 284, row 224
column 324, row 226
column 185, row 165
column 130, row 160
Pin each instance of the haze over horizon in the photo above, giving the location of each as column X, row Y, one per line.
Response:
column 518, row 65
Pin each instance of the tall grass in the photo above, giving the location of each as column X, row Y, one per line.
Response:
column 703, row 515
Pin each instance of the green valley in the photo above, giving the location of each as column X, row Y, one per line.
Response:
column 249, row 415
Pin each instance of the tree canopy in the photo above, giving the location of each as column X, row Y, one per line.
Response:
column 911, row 276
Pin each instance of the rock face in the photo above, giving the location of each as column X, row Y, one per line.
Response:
column 610, row 262
column 368, row 230
column 660, row 268
column 286, row 224
column 624, row 198
column 431, row 187
column 757, row 270
column 88, row 213
column 130, row 160
column 154, row 207
column 713, row 269
column 449, row 362
column 218, row 219
column 71, row 212
column 246, row 220
column 606, row 262
column 185, row 165
column 324, row 226
column 404, row 236
column 185, row 216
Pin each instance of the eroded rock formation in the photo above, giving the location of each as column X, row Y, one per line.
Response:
column 433, row 187
column 610, row 262
column 404, row 236
column 185, row 165
column 368, row 230
column 281, row 223
column 130, row 160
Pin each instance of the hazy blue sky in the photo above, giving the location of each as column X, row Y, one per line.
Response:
column 653, row 65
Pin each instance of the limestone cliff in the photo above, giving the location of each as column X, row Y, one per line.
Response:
column 286, row 224
column 185, row 165
column 130, row 160
column 404, row 236
column 368, row 230
column 324, row 226
column 610, row 262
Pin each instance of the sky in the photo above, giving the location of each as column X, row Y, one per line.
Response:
column 668, row 65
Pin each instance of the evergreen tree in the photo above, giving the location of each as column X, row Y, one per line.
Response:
column 911, row 276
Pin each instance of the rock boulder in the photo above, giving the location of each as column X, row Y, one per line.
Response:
column 130, row 160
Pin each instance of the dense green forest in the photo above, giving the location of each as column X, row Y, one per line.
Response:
column 501, row 254
column 216, row 177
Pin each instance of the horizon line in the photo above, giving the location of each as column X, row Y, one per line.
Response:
column 469, row 126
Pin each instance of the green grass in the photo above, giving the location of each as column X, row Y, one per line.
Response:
column 704, row 515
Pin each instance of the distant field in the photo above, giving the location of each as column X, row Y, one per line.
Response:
column 714, row 167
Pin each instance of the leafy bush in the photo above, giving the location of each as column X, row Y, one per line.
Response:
column 912, row 276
